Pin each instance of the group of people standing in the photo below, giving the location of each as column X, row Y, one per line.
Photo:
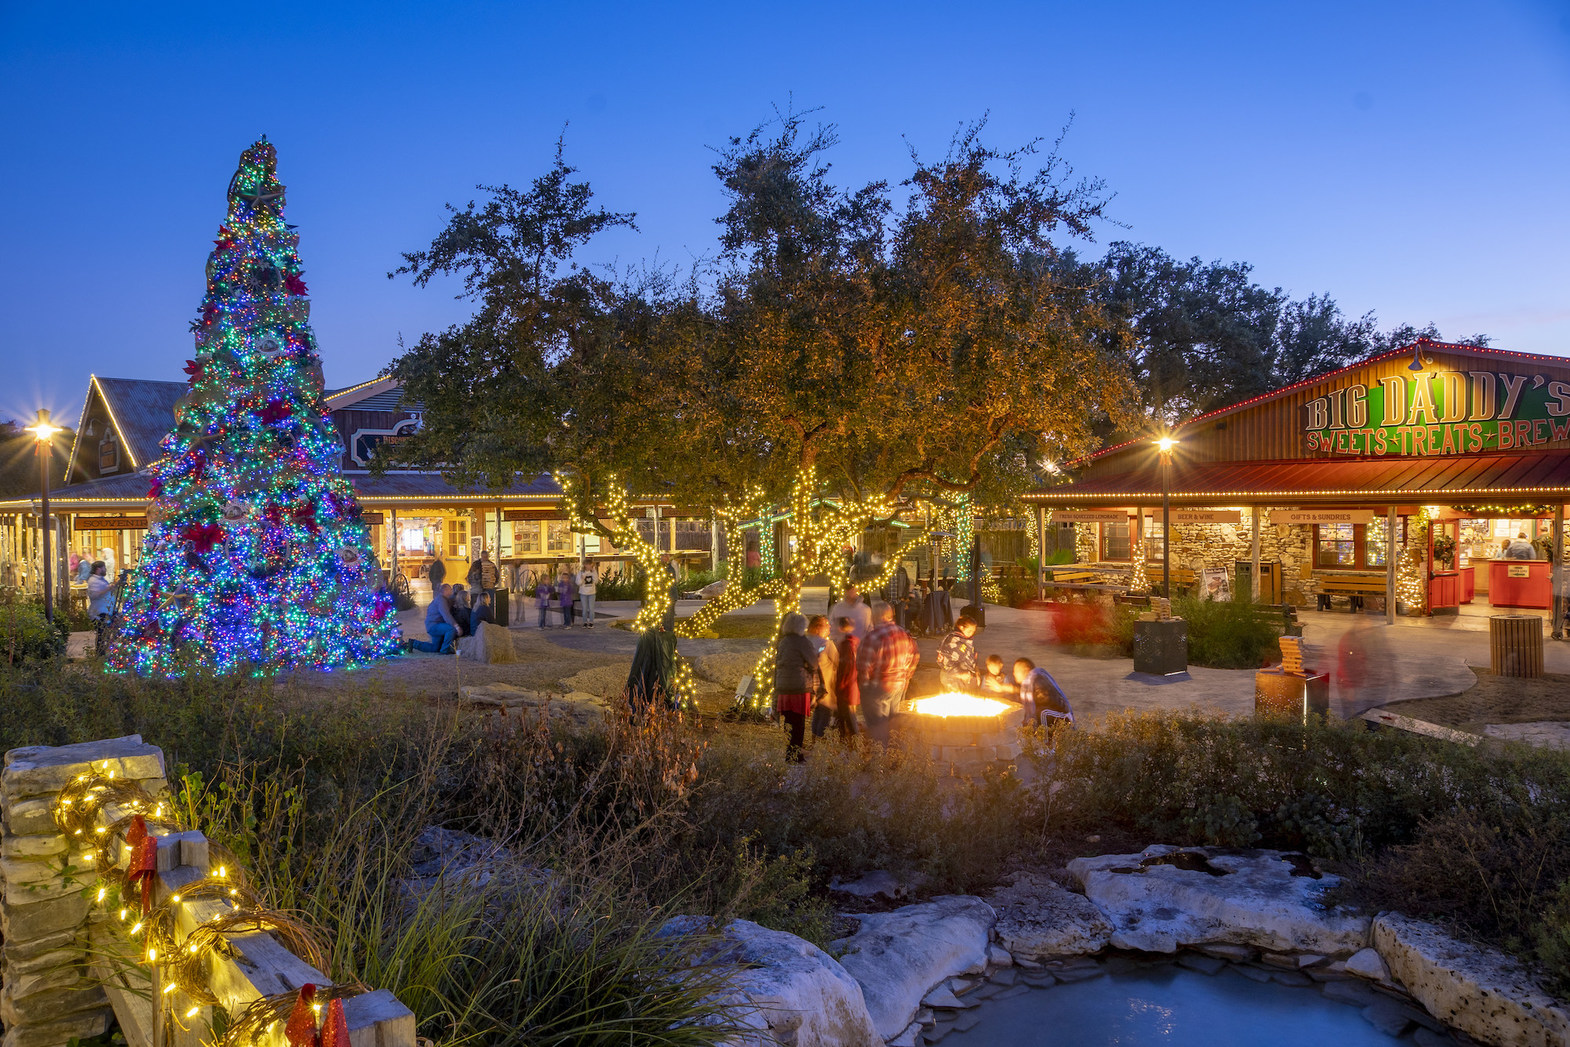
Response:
column 857, row 658
column 570, row 591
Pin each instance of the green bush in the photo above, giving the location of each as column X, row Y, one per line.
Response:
column 25, row 632
column 1228, row 634
column 623, row 584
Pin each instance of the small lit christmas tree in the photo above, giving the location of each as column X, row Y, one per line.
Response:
column 255, row 556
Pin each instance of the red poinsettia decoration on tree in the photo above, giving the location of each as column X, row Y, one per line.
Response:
column 225, row 238
column 203, row 536
column 155, row 488
column 305, row 516
column 194, row 370
column 275, row 411
column 294, row 284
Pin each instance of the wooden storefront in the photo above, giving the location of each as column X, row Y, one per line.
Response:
column 1398, row 480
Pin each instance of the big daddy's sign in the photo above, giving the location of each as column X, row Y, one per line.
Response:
column 1439, row 413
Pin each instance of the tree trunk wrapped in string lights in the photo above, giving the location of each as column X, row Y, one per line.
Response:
column 614, row 522
column 822, row 530
column 255, row 555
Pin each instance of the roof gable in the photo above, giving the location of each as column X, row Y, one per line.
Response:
column 1289, row 423
column 141, row 411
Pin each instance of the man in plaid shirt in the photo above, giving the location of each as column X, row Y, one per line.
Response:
column 884, row 666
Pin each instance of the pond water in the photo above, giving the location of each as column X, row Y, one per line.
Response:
column 1173, row 1007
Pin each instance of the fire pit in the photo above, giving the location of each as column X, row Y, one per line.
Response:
column 964, row 731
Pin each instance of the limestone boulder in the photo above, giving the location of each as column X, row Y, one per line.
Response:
column 492, row 645
column 898, row 957
column 879, row 885
column 725, row 668
column 577, row 706
column 1483, row 993
column 783, row 989
column 1039, row 918
column 1165, row 898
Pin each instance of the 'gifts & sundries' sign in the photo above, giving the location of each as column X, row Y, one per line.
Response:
column 1449, row 412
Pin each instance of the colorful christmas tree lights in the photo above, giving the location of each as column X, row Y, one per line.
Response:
column 255, row 555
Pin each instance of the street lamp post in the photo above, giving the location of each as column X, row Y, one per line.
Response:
column 1165, row 445
column 45, row 431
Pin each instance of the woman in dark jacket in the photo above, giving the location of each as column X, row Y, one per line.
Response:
column 795, row 670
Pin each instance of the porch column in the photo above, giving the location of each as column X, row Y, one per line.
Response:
column 1390, row 565
column 1558, row 572
column 393, row 515
column 1041, row 552
column 1253, row 514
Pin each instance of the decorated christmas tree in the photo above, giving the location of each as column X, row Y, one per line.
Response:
column 255, row 556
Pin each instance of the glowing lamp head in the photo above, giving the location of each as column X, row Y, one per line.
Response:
column 1165, row 444
column 44, row 429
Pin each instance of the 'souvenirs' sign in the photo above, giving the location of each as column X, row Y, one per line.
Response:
column 1448, row 412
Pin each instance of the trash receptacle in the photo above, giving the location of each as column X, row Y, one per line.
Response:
column 1161, row 647
column 1269, row 580
column 499, row 613
column 1515, row 644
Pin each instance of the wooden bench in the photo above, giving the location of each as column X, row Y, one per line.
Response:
column 1183, row 578
column 1355, row 587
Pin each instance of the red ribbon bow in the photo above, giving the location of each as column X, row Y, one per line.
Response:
column 142, row 864
column 301, row 1030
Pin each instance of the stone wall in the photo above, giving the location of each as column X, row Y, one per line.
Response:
column 67, row 967
column 48, row 994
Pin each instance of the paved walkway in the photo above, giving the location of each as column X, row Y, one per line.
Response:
column 1414, row 658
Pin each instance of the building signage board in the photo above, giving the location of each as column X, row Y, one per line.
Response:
column 1090, row 516
column 368, row 518
column 110, row 523
column 522, row 515
column 1203, row 516
column 1439, row 413
column 1321, row 516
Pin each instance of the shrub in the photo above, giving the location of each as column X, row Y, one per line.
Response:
column 25, row 632
column 623, row 584
column 1227, row 634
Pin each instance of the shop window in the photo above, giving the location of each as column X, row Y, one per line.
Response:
column 525, row 538
column 1374, row 545
column 1335, row 545
column 1114, row 541
column 558, row 537
column 457, row 538
column 1352, row 547
column 1154, row 538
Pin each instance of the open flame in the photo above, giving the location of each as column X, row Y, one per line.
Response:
column 958, row 703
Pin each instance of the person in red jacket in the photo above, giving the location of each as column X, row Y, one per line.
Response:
column 847, row 691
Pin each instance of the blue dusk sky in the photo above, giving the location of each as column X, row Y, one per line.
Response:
column 1406, row 158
